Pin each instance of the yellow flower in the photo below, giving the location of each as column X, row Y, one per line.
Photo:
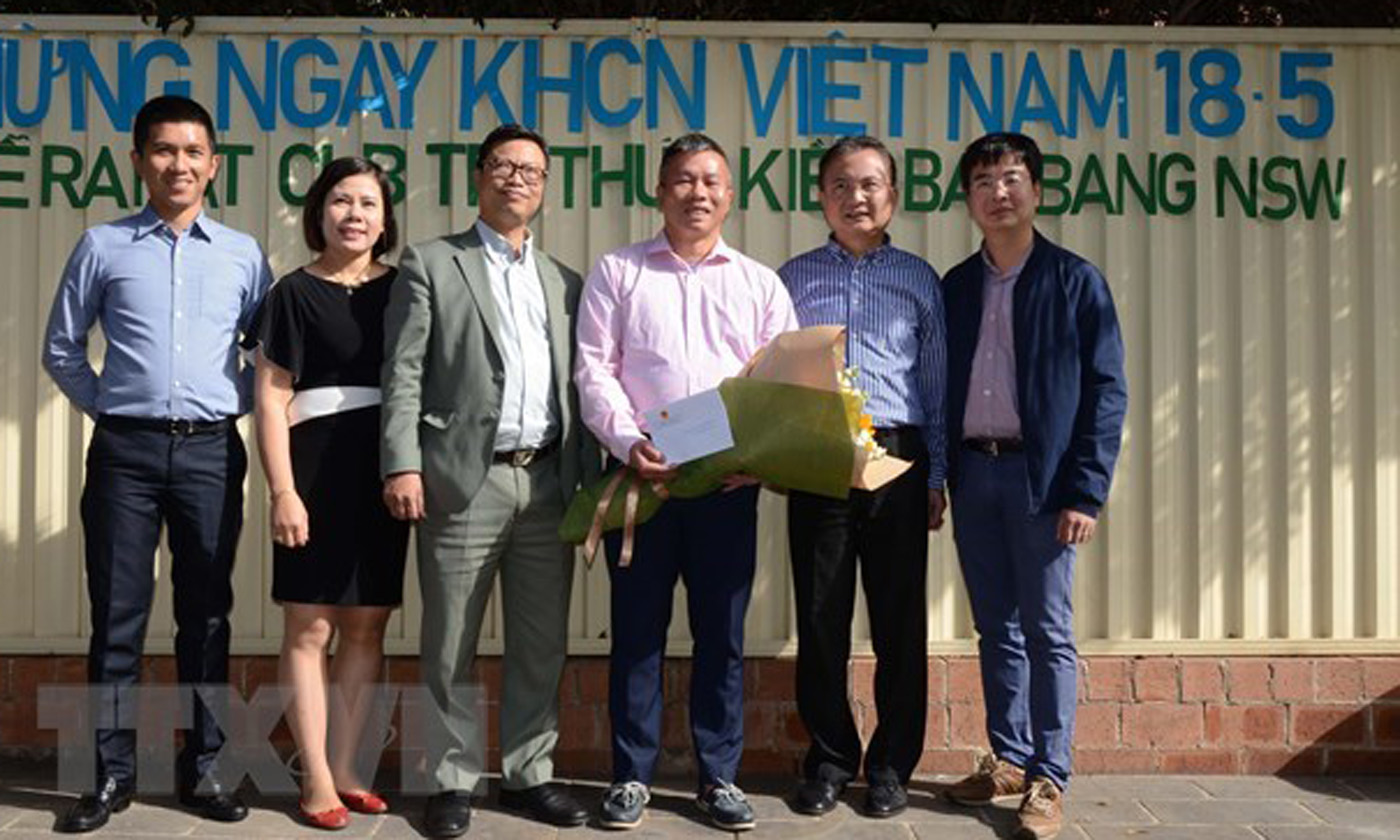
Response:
column 862, row 426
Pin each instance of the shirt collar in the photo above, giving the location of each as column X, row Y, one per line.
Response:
column 148, row 221
column 995, row 274
column 876, row 255
column 661, row 245
column 498, row 248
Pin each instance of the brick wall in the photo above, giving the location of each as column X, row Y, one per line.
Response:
column 1233, row 715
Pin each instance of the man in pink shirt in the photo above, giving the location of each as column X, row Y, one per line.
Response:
column 660, row 320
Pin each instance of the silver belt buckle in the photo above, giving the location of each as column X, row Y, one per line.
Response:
column 994, row 448
column 522, row 458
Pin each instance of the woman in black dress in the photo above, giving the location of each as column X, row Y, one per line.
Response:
column 338, row 558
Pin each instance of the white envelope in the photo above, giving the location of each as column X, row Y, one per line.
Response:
column 690, row 428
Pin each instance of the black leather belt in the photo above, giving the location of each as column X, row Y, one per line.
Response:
column 995, row 447
column 172, row 426
column 901, row 441
column 525, row 457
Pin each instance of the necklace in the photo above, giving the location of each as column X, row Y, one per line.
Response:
column 350, row 285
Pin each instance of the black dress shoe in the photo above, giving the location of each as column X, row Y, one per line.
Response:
column 94, row 809
column 816, row 797
column 547, row 803
column 448, row 814
column 885, row 799
column 213, row 801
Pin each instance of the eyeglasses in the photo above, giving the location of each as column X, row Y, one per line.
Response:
column 841, row 188
column 1010, row 180
column 503, row 170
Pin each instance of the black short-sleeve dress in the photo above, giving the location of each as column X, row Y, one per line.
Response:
column 329, row 336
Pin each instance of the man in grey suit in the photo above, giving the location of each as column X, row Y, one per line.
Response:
column 483, row 448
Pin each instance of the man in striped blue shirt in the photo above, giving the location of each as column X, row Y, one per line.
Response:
column 891, row 304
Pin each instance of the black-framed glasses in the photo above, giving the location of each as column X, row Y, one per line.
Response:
column 503, row 170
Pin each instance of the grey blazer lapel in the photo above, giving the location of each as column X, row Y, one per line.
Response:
column 560, row 336
column 472, row 263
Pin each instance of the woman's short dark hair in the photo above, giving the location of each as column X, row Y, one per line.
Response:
column 849, row 146
column 989, row 149
column 313, row 214
column 169, row 109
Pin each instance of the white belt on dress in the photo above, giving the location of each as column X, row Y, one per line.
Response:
column 330, row 399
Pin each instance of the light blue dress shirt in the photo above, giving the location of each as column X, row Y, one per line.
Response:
column 891, row 304
column 172, row 309
column 529, row 416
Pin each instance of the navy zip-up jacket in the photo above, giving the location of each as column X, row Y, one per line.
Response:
column 1070, row 389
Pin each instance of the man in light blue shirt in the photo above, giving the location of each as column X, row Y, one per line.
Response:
column 891, row 305
column 172, row 290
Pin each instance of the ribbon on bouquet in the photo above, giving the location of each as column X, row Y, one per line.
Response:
column 629, row 514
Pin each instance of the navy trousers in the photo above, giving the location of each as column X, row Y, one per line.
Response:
column 1020, row 580
column 709, row 543
column 137, row 480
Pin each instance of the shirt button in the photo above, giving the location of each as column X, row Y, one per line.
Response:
column 986, row 392
column 992, row 318
column 179, row 314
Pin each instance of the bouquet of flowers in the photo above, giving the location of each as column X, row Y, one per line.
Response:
column 798, row 422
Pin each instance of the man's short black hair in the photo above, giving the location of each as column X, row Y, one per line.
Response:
column 169, row 109
column 989, row 149
column 313, row 214
column 849, row 146
column 504, row 134
column 685, row 145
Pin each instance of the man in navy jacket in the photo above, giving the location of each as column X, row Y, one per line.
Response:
column 1036, row 400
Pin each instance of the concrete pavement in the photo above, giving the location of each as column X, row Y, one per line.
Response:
column 1097, row 808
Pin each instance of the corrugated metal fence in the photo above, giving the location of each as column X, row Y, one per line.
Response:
column 1240, row 189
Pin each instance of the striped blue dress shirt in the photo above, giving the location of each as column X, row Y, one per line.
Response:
column 891, row 303
column 171, row 308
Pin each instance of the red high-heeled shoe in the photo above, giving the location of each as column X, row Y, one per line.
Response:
column 332, row 819
column 364, row 801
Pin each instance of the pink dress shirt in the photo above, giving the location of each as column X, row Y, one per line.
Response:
column 991, row 389
column 653, row 329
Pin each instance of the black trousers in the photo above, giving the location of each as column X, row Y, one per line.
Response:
column 885, row 532
column 192, row 483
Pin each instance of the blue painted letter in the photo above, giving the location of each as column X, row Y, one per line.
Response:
column 960, row 78
column 897, row 57
column 692, row 105
column 488, row 84
column 824, row 92
column 762, row 106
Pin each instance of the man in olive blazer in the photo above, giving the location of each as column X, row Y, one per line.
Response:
column 483, row 448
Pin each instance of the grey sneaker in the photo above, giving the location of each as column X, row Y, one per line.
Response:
column 624, row 805
column 727, row 807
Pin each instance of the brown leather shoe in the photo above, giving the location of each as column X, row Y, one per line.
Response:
column 1042, row 811
column 995, row 779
